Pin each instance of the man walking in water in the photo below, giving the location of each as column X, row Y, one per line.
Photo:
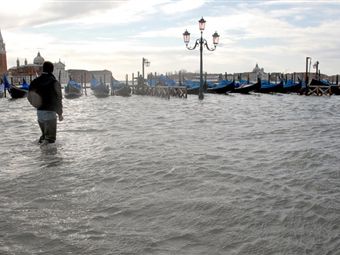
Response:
column 45, row 95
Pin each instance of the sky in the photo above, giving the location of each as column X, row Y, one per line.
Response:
column 117, row 34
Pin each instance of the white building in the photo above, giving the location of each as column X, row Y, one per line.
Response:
column 258, row 73
column 60, row 73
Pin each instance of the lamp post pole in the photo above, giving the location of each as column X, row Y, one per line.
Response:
column 201, row 42
column 145, row 62
column 200, row 93
column 308, row 61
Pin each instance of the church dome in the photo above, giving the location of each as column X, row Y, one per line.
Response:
column 38, row 60
column 256, row 68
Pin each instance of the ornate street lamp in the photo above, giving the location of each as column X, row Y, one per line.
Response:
column 201, row 42
column 146, row 63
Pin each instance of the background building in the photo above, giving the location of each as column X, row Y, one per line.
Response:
column 3, row 58
column 30, row 71
column 85, row 76
column 60, row 73
column 26, row 71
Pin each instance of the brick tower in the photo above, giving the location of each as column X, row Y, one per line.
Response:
column 3, row 59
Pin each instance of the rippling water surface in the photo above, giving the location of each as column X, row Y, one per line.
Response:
column 238, row 174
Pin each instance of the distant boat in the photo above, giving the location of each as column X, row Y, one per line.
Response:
column 193, row 90
column 246, row 88
column 161, row 80
column 192, row 86
column 240, row 83
column 165, row 81
column 319, row 82
column 101, row 91
column 290, row 86
column 73, row 89
column 124, row 91
column 120, row 89
column 269, row 87
column 17, row 91
column 99, row 88
column 222, row 87
column 335, row 90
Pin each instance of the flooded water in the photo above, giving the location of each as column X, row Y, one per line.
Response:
column 238, row 174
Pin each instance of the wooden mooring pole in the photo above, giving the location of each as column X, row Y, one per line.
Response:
column 308, row 60
column 85, row 83
column 111, row 86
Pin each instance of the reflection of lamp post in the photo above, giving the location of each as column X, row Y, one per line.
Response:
column 201, row 42
column 146, row 63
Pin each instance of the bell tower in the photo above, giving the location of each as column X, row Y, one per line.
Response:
column 3, row 58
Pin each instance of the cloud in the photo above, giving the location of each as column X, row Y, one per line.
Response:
column 16, row 13
column 116, row 35
column 175, row 7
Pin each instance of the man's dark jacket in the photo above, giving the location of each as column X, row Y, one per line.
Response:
column 45, row 93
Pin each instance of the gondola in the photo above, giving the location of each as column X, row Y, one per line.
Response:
column 292, row 87
column 99, row 88
column 193, row 90
column 73, row 89
column 163, row 80
column 19, row 92
column 222, row 87
column 269, row 87
column 16, row 92
column 120, row 89
column 193, row 87
column 124, row 91
column 240, row 83
column 335, row 90
column 246, row 88
column 101, row 91
column 319, row 82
